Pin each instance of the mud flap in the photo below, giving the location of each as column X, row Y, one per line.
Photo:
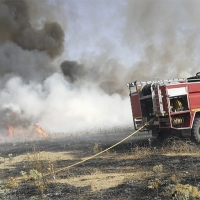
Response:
column 186, row 133
column 155, row 132
column 168, row 133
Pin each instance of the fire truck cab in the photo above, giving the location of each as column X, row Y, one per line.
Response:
column 173, row 105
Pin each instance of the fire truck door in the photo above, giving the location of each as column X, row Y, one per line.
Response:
column 135, row 105
column 194, row 95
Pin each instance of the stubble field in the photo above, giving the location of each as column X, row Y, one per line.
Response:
column 139, row 168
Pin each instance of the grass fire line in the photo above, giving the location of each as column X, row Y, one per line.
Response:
column 91, row 157
column 10, row 130
column 40, row 131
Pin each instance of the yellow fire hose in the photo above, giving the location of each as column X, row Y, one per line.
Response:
column 91, row 157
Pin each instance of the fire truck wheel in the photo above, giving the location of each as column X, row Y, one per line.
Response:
column 196, row 130
column 167, row 136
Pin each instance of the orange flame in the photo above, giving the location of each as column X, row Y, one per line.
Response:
column 40, row 131
column 10, row 130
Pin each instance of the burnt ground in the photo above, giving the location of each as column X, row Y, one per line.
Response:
column 135, row 169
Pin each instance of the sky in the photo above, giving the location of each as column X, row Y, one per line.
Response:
column 64, row 64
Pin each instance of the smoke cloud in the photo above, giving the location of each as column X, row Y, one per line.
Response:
column 65, row 66
column 108, row 76
column 73, row 70
column 16, row 27
column 167, row 37
column 163, row 42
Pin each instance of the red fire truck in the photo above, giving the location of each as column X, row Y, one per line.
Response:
column 173, row 106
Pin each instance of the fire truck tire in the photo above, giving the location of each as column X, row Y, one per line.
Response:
column 196, row 130
column 168, row 135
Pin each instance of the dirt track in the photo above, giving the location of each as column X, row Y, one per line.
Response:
column 129, row 171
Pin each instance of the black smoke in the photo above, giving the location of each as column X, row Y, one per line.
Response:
column 106, row 76
column 15, row 27
column 73, row 70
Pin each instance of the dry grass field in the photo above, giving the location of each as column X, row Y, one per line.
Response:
column 139, row 168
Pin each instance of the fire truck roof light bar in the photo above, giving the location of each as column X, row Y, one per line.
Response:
column 168, row 81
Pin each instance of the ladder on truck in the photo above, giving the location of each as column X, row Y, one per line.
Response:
column 157, row 98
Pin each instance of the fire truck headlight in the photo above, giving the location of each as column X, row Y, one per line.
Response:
column 177, row 121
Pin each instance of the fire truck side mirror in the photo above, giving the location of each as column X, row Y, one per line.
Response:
column 198, row 74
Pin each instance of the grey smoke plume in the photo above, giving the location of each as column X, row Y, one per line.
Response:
column 25, row 50
column 166, row 38
column 163, row 42
column 15, row 27
column 107, row 76
column 124, row 41
column 31, row 88
column 10, row 116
